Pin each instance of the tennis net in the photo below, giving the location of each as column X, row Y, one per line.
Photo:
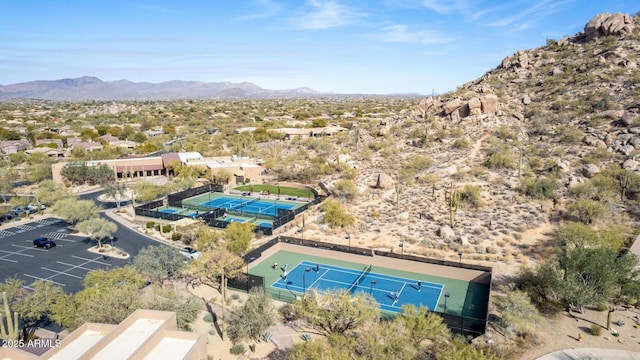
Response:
column 362, row 275
column 233, row 207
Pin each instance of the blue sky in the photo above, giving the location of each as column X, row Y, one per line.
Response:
column 344, row 46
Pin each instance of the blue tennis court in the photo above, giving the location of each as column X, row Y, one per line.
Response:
column 390, row 292
column 250, row 205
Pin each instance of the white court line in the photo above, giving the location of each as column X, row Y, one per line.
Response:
column 318, row 279
column 91, row 260
column 61, row 272
column 15, row 253
column 74, row 266
column 43, row 279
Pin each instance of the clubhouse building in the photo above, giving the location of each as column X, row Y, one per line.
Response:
column 240, row 169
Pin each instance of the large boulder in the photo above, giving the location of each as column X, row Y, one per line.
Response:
column 489, row 103
column 452, row 106
column 608, row 24
column 628, row 118
column 384, row 181
column 475, row 106
column 590, row 170
column 447, row 233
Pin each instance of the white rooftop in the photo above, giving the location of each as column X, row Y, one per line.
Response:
column 128, row 342
column 171, row 348
column 79, row 346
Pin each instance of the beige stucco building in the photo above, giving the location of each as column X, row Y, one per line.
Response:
column 143, row 335
column 240, row 168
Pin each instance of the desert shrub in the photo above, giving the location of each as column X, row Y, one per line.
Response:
column 209, row 317
column 500, row 160
column 237, row 349
column 150, row 225
column 542, row 188
column 587, row 210
column 157, row 227
column 336, row 214
column 176, row 236
column 346, row 189
column 504, row 132
column 570, row 135
column 461, row 143
column 471, row 195
column 166, row 228
column 235, row 296
column 596, row 330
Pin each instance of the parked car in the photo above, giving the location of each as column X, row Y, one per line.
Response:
column 190, row 253
column 44, row 242
column 6, row 217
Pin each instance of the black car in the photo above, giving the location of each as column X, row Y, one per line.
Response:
column 43, row 242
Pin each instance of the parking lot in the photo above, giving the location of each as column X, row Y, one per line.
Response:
column 64, row 265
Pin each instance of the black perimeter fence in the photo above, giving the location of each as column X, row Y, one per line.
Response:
column 210, row 215
column 464, row 325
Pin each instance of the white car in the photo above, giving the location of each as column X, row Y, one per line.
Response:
column 190, row 253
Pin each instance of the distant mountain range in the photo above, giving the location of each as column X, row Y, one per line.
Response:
column 92, row 88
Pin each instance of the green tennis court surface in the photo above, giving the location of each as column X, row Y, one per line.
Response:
column 466, row 298
column 390, row 292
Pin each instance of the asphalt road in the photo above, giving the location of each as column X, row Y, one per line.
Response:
column 64, row 265
column 67, row 263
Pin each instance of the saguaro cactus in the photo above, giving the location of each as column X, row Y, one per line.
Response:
column 452, row 200
column 8, row 331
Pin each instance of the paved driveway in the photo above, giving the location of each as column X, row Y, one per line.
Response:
column 64, row 265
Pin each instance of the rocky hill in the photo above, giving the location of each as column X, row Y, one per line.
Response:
column 92, row 88
column 530, row 137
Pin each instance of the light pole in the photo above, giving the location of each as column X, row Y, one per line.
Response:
column 446, row 296
column 373, row 282
column 304, row 282
column 348, row 237
column 401, row 245
column 460, row 255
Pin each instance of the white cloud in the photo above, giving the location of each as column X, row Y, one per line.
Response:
column 403, row 34
column 528, row 15
column 327, row 14
column 268, row 8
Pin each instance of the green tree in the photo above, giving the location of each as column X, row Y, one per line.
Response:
column 587, row 210
column 215, row 266
column 334, row 347
column 36, row 306
column 75, row 211
column 115, row 191
column 254, row 317
column 6, row 189
column 108, row 296
column 238, row 237
column 97, row 229
column 49, row 192
column 159, row 263
column 422, row 324
column 457, row 349
column 186, row 308
column 336, row 312
column 382, row 341
column 517, row 311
